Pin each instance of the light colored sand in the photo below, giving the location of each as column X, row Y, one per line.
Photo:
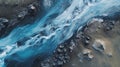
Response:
column 111, row 40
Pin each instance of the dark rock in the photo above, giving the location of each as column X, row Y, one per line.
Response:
column 86, row 40
column 32, row 10
column 109, row 25
column 3, row 22
column 72, row 46
column 59, row 50
column 22, row 14
column 45, row 64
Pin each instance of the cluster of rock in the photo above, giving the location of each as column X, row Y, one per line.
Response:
column 7, row 24
column 63, row 53
column 60, row 56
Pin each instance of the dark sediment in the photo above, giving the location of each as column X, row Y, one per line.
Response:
column 20, row 18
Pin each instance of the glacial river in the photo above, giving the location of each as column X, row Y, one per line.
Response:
column 58, row 25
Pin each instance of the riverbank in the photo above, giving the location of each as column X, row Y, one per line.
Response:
column 95, row 45
column 18, row 15
column 10, row 8
column 102, row 47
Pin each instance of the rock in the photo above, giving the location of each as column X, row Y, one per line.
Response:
column 80, row 57
column 59, row 62
column 32, row 10
column 22, row 14
column 3, row 23
column 60, row 57
column 1, row 26
column 72, row 45
column 61, row 46
column 3, row 20
column 59, row 50
column 87, row 54
column 47, row 4
column 86, row 40
column 109, row 54
column 109, row 26
column 99, row 45
column 45, row 65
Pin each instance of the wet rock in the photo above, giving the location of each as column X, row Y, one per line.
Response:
column 99, row 45
column 32, row 10
column 3, row 23
column 22, row 14
column 3, row 20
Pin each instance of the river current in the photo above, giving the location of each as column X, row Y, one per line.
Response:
column 58, row 25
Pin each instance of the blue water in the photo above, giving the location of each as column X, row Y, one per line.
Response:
column 56, row 30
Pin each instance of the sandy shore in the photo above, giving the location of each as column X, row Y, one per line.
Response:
column 96, row 45
column 97, row 31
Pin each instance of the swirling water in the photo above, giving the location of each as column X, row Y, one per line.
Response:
column 54, row 30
